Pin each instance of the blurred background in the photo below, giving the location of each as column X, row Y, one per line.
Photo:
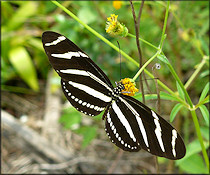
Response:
column 42, row 133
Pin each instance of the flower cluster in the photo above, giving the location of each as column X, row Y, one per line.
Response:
column 130, row 88
column 113, row 26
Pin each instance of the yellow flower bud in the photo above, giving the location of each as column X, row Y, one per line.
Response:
column 113, row 26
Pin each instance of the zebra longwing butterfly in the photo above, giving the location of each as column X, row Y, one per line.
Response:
column 130, row 125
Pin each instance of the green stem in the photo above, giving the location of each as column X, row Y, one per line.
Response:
column 181, row 85
column 167, row 89
column 145, row 65
column 112, row 45
column 164, row 26
column 194, row 75
column 194, row 116
column 96, row 33
column 133, row 36
column 193, row 113
column 198, row 131
column 205, row 100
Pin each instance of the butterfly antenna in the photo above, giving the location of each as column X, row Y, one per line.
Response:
column 120, row 58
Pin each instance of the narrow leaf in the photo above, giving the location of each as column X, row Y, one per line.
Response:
column 174, row 111
column 163, row 96
column 204, row 92
column 163, row 58
column 22, row 63
column 205, row 113
column 22, row 15
column 180, row 91
column 166, row 96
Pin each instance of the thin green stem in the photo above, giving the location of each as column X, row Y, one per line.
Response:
column 194, row 116
column 145, row 65
column 167, row 89
column 112, row 45
column 109, row 43
column 164, row 25
column 193, row 113
column 133, row 36
column 198, row 69
column 198, row 131
column 181, row 85
column 205, row 100
column 95, row 33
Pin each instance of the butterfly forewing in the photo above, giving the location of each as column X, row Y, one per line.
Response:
column 84, row 84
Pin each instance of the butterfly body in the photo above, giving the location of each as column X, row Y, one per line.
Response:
column 129, row 124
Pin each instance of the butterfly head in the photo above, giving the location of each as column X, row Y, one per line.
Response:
column 120, row 87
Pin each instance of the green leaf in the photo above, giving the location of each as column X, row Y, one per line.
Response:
column 180, row 91
column 71, row 118
column 203, row 74
column 174, row 111
column 194, row 164
column 147, row 97
column 166, row 96
column 193, row 148
column 89, row 133
column 205, row 132
column 23, row 64
column 163, row 58
column 204, row 101
column 163, row 96
column 36, row 43
column 205, row 113
column 204, row 43
column 21, row 16
column 204, row 92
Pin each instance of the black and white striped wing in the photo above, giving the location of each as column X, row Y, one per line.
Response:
column 84, row 84
column 131, row 126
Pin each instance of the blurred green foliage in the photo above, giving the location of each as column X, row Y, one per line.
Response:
column 24, row 62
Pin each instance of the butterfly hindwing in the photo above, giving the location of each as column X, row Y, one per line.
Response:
column 156, row 135
column 83, row 101
column 118, row 128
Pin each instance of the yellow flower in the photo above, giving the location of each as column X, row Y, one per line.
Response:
column 117, row 4
column 113, row 26
column 129, row 87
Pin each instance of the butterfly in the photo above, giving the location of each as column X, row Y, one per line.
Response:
column 129, row 124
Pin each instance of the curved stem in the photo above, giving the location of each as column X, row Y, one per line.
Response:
column 194, row 75
column 145, row 65
column 95, row 33
column 133, row 36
